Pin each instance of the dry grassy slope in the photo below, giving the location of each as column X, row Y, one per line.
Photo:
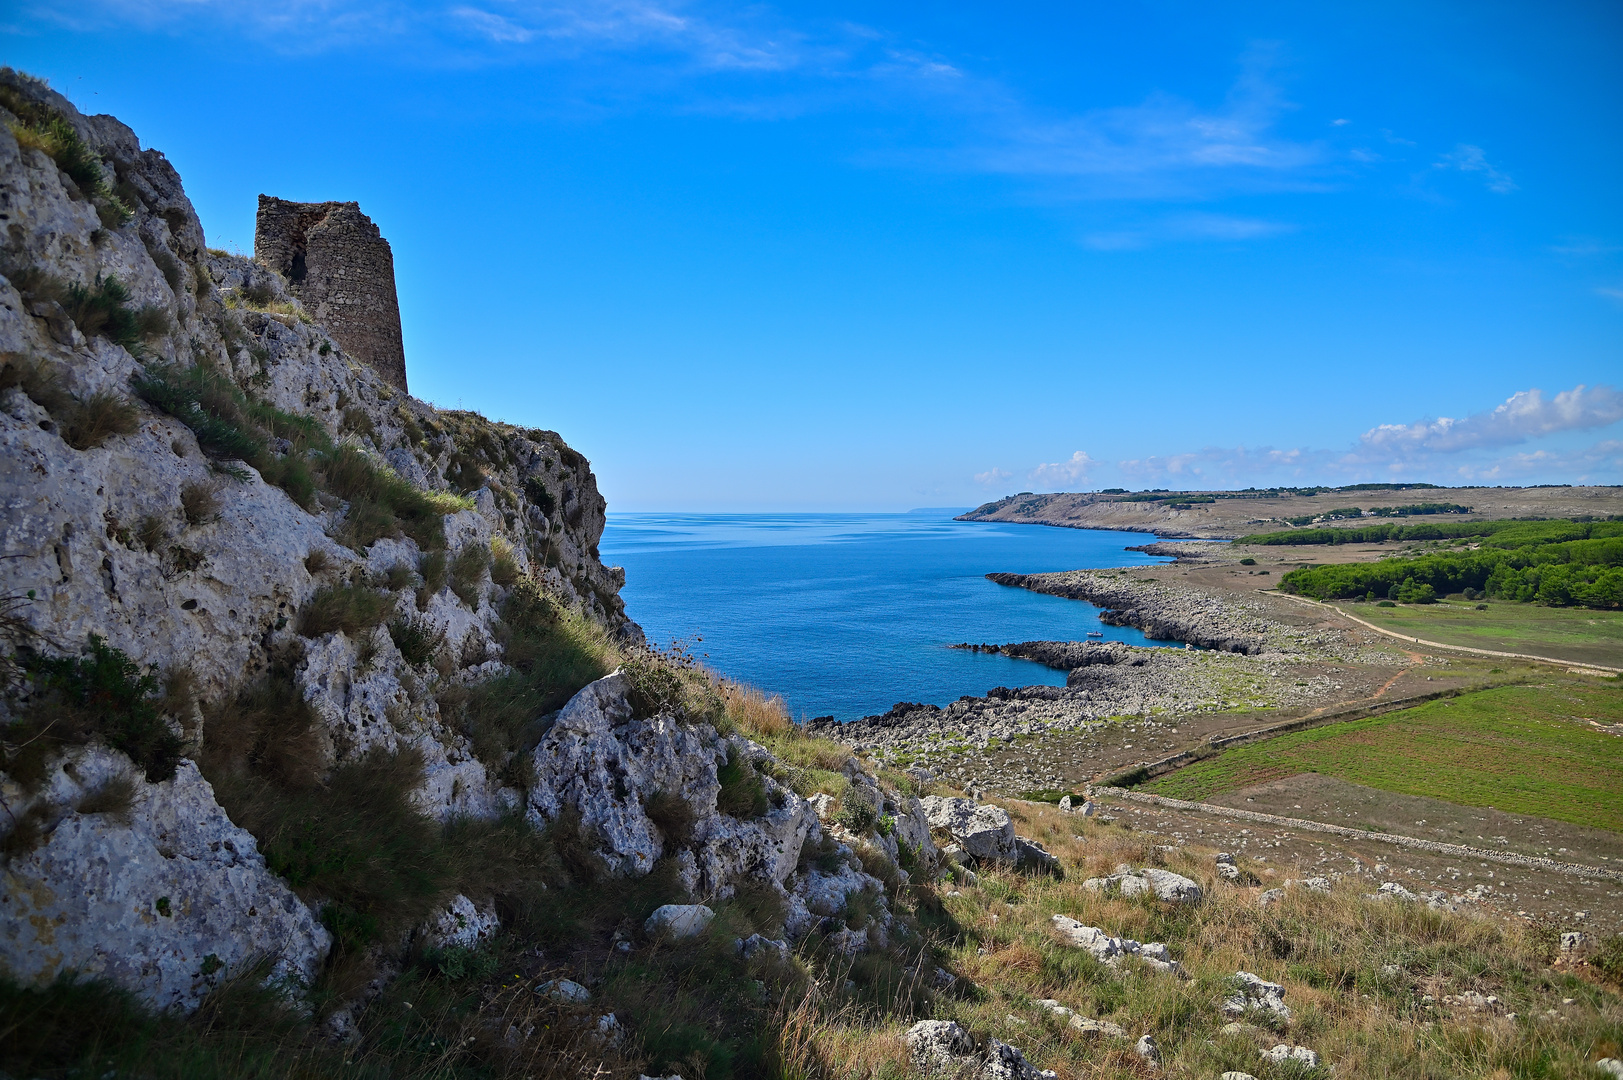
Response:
column 1367, row 980
column 1229, row 518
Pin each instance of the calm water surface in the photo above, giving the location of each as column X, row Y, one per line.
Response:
column 847, row 614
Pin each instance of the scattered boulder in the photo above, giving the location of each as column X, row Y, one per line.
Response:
column 1391, row 890
column 608, row 1030
column 1147, row 1050
column 759, row 943
column 1109, row 950
column 943, row 979
column 1226, row 868
column 1005, row 1062
column 1283, row 1053
column 1174, row 888
column 1252, row 992
column 460, row 924
column 934, row 1044
column 564, row 992
column 981, row 830
column 1610, row 1067
column 1313, row 884
column 1270, row 897
column 678, row 920
column 1033, row 855
column 1233, row 1075
column 1082, row 1023
column 1573, row 940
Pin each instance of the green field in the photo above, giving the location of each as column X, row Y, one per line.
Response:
column 1581, row 635
column 1520, row 749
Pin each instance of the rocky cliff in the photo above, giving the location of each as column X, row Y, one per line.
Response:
column 200, row 485
column 306, row 681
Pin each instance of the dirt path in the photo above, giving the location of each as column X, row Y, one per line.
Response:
column 1568, row 665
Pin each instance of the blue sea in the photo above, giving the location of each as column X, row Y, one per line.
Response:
column 848, row 614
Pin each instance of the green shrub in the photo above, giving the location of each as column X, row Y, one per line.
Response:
column 858, row 814
column 1248, row 561
column 103, row 309
column 349, row 608
column 1609, row 961
column 467, row 573
column 103, row 694
column 382, row 503
column 266, row 731
column 42, row 127
column 504, row 569
column 416, row 639
column 743, row 792
column 553, row 653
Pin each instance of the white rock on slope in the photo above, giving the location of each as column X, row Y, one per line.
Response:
column 982, row 830
column 597, row 760
column 166, row 904
column 1253, row 992
column 1109, row 950
column 1163, row 883
column 461, row 924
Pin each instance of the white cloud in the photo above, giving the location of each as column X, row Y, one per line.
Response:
column 1340, row 123
column 1060, row 474
column 992, row 476
column 1186, row 227
column 1468, row 158
column 1527, row 414
column 495, row 27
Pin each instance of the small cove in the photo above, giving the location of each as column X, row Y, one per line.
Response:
column 847, row 614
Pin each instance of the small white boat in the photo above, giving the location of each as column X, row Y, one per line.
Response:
column 1096, row 633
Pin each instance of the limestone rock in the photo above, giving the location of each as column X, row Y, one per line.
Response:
column 1033, row 854
column 1233, row 1075
column 1573, row 940
column 1283, row 1053
column 1391, row 890
column 564, row 992
column 1226, row 868
column 1005, row 1062
column 600, row 762
column 934, row 1044
column 1252, row 992
column 1148, row 1051
column 1270, row 897
column 461, row 924
column 1082, row 1023
column 983, row 831
column 1166, row 885
column 760, row 944
column 1610, row 1067
column 1110, row 950
column 678, row 920
column 167, row 901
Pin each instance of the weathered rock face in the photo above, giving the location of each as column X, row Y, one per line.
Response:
column 984, row 831
column 193, row 562
column 338, row 263
column 165, row 895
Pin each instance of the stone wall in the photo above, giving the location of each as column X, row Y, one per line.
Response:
column 341, row 268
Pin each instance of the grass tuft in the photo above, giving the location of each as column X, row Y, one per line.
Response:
column 351, row 609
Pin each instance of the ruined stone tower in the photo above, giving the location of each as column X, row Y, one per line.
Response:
column 341, row 269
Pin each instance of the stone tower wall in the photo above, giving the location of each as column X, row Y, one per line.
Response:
column 342, row 270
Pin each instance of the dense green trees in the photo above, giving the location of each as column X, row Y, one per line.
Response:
column 1559, row 563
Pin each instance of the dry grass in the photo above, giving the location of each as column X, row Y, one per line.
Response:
column 1354, row 971
column 200, row 503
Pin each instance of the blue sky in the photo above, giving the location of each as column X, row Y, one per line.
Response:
column 780, row 256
